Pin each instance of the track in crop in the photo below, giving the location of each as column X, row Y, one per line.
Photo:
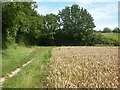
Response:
column 83, row 67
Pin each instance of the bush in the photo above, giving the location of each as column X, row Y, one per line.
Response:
column 99, row 39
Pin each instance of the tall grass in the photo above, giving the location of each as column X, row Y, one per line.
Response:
column 13, row 58
column 33, row 74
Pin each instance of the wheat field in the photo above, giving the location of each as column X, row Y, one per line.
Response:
column 83, row 67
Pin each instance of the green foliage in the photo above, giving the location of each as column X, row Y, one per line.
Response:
column 107, row 30
column 33, row 74
column 116, row 30
column 76, row 25
column 16, row 19
column 113, row 37
column 48, row 27
column 104, row 39
column 72, row 26
column 15, row 57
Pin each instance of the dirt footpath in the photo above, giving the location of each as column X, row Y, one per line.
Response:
column 83, row 67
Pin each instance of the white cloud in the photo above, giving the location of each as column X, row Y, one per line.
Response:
column 103, row 14
column 56, row 10
column 101, row 11
column 102, row 26
column 42, row 10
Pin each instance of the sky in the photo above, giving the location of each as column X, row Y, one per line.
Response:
column 104, row 12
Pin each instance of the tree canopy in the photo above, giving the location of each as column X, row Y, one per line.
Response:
column 107, row 30
column 21, row 23
column 116, row 30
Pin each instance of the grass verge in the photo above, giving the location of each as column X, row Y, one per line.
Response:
column 111, row 35
column 13, row 58
column 33, row 74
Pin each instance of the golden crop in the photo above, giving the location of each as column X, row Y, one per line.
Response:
column 83, row 67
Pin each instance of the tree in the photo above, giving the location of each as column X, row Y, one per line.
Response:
column 72, row 26
column 106, row 30
column 48, row 29
column 100, row 31
column 116, row 30
column 77, row 23
column 10, row 20
column 16, row 19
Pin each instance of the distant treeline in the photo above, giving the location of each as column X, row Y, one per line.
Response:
column 23, row 25
column 108, row 30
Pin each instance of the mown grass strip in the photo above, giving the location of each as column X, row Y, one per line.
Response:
column 33, row 74
column 15, row 58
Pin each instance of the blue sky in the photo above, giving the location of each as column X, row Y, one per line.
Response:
column 105, row 14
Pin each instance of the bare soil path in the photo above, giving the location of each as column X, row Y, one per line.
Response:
column 14, row 72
